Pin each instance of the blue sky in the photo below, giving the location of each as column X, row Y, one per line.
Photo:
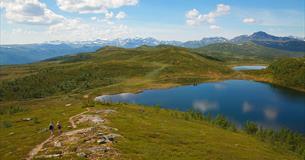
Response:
column 35, row 21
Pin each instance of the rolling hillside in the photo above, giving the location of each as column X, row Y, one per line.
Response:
column 246, row 51
column 289, row 72
column 108, row 66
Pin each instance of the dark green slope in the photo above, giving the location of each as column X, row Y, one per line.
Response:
column 245, row 51
column 289, row 72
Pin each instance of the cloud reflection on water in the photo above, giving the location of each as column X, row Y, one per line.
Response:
column 109, row 98
column 270, row 113
column 205, row 105
column 247, row 107
column 219, row 86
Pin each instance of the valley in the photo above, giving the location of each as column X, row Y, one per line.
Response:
column 62, row 87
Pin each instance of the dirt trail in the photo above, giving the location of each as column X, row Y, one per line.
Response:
column 35, row 150
column 71, row 118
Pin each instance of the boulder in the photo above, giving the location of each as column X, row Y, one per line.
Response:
column 102, row 140
column 26, row 119
column 111, row 137
column 82, row 155
column 57, row 144
column 67, row 105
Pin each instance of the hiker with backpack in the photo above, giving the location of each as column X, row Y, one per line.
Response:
column 51, row 128
column 59, row 127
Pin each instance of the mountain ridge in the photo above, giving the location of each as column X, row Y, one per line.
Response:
column 28, row 53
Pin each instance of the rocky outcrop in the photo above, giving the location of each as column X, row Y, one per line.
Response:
column 94, row 142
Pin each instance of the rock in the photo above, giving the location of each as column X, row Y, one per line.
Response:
column 26, row 119
column 111, row 137
column 107, row 111
column 100, row 134
column 57, row 144
column 90, row 118
column 102, row 140
column 82, row 155
column 67, row 105
column 79, row 131
column 50, row 156
column 109, row 128
column 98, row 149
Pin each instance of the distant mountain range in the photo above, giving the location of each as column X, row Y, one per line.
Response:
column 28, row 53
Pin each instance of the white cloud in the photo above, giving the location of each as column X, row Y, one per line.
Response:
column 93, row 18
column 108, row 15
column 68, row 25
column 76, row 30
column 93, row 6
column 249, row 20
column 194, row 13
column 214, row 27
column 194, row 17
column 121, row 15
column 29, row 12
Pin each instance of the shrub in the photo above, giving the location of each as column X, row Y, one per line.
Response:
column 12, row 110
column 250, row 127
column 222, row 122
column 6, row 124
column 88, row 103
column 35, row 120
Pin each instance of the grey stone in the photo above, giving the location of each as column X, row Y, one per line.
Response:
column 57, row 144
column 82, row 154
column 26, row 119
column 111, row 137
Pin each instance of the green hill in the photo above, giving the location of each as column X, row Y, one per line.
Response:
column 106, row 67
column 245, row 52
column 289, row 72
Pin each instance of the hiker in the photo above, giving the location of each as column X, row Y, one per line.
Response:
column 59, row 127
column 51, row 128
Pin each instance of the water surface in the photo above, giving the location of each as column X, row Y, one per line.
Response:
column 239, row 100
column 242, row 68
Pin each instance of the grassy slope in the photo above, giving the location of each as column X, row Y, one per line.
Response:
column 149, row 133
column 288, row 72
column 108, row 67
column 247, row 52
column 152, row 133
column 138, row 69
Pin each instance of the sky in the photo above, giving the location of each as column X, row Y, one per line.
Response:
column 37, row 21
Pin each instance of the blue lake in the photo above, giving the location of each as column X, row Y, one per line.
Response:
column 241, row 68
column 239, row 100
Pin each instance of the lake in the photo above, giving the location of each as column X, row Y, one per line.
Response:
column 242, row 68
column 239, row 100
